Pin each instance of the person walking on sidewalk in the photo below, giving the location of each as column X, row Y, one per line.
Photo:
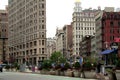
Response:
column 82, row 73
column 99, row 67
column 33, row 68
column 98, row 70
column 81, row 61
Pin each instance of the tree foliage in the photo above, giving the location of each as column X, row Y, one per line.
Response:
column 46, row 64
column 62, row 59
column 77, row 65
column 57, row 57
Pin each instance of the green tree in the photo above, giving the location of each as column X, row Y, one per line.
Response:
column 76, row 65
column 46, row 64
column 118, row 63
column 55, row 57
column 67, row 66
column 62, row 59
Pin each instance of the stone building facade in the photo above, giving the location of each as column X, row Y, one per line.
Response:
column 3, row 35
column 27, row 30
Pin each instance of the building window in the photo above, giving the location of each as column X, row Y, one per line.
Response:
column 81, row 28
column 118, row 23
column 42, row 12
column 43, row 42
column 31, row 52
column 42, row 26
column 111, row 23
column 35, row 43
column 27, row 45
column 111, row 38
column 42, row 35
column 111, row 31
column 20, row 46
column 118, row 31
column 30, row 44
column 42, row 50
column 42, row 20
column 35, row 51
column 42, row 5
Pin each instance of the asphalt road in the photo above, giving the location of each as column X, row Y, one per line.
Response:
column 30, row 76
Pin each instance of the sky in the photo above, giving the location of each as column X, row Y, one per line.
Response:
column 59, row 12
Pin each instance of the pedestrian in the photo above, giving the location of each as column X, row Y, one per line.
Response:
column 82, row 74
column 33, row 68
column 81, row 61
column 99, row 67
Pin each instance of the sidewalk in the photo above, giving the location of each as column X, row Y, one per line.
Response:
column 97, row 77
column 38, row 72
column 102, row 77
column 118, row 74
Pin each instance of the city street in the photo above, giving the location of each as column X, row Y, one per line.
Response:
column 29, row 76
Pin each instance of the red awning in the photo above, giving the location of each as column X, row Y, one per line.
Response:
column 117, row 39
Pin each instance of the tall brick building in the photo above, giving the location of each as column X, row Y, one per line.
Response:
column 110, row 28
